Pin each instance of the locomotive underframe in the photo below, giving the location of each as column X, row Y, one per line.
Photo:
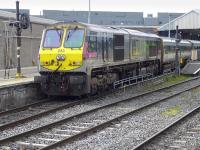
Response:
column 62, row 83
column 95, row 80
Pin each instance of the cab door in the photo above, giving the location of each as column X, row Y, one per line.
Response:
column 118, row 47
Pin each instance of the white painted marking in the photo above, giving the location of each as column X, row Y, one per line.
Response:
column 87, row 123
column 62, row 135
column 45, row 139
column 190, row 132
column 31, row 144
column 180, row 141
column 77, row 127
column 102, row 132
column 18, row 48
column 189, row 137
column 197, row 129
column 110, row 128
column 118, row 125
column 67, row 130
column 125, row 108
column 175, row 146
column 98, row 120
column 124, row 121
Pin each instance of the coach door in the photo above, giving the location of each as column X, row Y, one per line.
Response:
column 104, row 47
column 118, row 47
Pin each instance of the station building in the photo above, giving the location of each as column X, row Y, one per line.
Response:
column 111, row 18
column 27, row 11
column 188, row 24
column 164, row 18
column 97, row 17
column 30, row 40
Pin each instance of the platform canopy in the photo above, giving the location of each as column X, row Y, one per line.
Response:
column 190, row 20
column 188, row 24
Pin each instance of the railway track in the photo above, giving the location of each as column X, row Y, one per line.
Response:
column 85, row 123
column 35, row 112
column 15, row 117
column 8, row 112
column 144, row 145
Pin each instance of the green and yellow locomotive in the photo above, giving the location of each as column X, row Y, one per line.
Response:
column 77, row 58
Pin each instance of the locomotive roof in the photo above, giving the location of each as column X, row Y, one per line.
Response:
column 100, row 28
column 92, row 27
column 139, row 33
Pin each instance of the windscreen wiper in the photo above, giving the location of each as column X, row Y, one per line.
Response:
column 71, row 31
column 59, row 34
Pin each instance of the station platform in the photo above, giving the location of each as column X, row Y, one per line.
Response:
column 17, row 92
column 7, row 77
column 191, row 68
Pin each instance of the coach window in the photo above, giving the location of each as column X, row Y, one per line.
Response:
column 152, row 48
column 135, row 47
column 93, row 42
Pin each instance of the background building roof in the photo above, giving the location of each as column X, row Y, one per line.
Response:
column 12, row 16
column 190, row 20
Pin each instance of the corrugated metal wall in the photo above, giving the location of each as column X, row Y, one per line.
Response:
column 30, row 45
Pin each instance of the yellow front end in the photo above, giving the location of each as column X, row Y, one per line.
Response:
column 62, row 49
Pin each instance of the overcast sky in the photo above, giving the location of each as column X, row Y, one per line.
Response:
column 146, row 6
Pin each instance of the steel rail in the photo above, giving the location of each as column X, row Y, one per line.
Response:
column 47, row 112
column 24, row 107
column 193, row 111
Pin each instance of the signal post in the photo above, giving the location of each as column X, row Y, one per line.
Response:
column 18, row 34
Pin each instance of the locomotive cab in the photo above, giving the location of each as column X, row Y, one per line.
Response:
column 61, row 60
column 62, row 49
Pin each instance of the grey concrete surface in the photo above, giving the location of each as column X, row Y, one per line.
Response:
column 27, row 72
column 18, row 92
column 19, row 95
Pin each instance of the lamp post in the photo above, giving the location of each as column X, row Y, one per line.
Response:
column 89, row 13
column 169, row 35
column 177, row 63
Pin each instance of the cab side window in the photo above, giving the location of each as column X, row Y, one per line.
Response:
column 92, row 42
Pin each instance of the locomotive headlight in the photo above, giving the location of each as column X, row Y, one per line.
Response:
column 60, row 57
